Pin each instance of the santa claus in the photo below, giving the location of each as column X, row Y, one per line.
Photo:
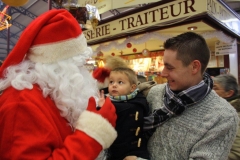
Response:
column 48, row 98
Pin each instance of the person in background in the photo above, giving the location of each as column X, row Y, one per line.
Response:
column 226, row 86
column 190, row 120
column 48, row 98
column 131, row 106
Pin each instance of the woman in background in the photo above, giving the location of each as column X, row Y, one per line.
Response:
column 225, row 85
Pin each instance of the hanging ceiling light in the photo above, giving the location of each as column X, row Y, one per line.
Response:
column 145, row 51
column 192, row 28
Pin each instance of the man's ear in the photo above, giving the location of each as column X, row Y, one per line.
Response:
column 133, row 87
column 229, row 93
column 196, row 66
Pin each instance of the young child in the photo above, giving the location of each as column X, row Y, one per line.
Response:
column 131, row 107
column 101, row 74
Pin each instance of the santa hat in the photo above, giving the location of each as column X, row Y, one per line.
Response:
column 51, row 37
column 101, row 75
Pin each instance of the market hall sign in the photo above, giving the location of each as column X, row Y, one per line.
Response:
column 228, row 19
column 153, row 16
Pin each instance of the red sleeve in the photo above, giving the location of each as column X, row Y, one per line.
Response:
column 31, row 127
column 84, row 148
column 30, row 132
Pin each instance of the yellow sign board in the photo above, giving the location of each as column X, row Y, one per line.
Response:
column 160, row 15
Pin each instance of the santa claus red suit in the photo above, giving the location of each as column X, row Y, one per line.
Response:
column 48, row 98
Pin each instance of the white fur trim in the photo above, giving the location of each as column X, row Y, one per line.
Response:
column 97, row 127
column 53, row 52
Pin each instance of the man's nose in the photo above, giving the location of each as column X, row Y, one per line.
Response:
column 164, row 73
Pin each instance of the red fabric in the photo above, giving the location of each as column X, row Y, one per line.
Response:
column 100, row 74
column 47, row 28
column 107, row 111
column 31, row 128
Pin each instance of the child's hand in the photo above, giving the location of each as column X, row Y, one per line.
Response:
column 101, row 99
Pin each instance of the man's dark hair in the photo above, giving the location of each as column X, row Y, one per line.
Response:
column 190, row 46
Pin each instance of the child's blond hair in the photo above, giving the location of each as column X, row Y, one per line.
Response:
column 128, row 72
column 112, row 62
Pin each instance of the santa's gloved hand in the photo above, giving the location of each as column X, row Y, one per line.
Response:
column 99, row 123
column 107, row 111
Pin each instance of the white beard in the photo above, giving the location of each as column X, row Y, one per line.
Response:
column 67, row 82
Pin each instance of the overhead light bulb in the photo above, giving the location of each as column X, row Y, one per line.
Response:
column 192, row 28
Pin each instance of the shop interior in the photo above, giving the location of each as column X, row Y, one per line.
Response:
column 144, row 52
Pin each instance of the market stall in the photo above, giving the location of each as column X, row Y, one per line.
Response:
column 138, row 36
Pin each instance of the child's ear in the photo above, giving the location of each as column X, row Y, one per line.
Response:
column 133, row 87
